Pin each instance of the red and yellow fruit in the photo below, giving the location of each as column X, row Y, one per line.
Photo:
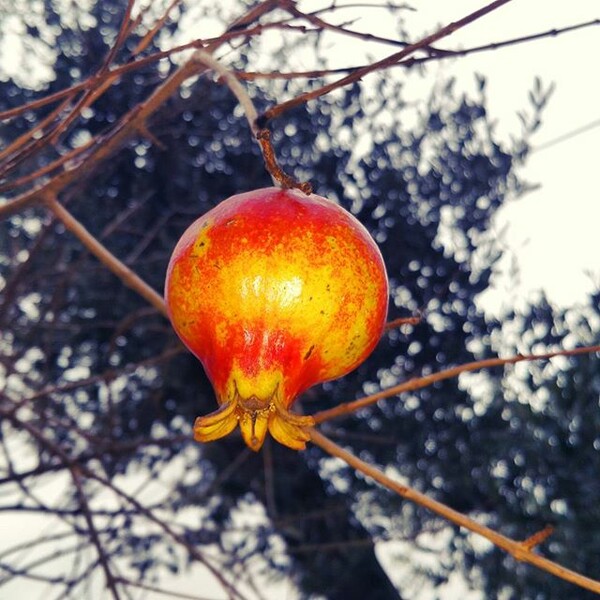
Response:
column 274, row 291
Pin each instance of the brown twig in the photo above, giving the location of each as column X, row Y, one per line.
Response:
column 133, row 121
column 410, row 62
column 124, row 31
column 150, row 34
column 538, row 538
column 279, row 175
column 321, row 25
column 263, row 136
column 45, row 170
column 519, row 550
column 394, row 324
column 104, row 559
column 28, row 140
column 279, row 109
column 421, row 382
column 386, row 5
column 129, row 277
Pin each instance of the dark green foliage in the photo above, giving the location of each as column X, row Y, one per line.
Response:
column 516, row 457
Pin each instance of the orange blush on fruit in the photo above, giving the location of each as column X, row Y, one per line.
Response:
column 274, row 291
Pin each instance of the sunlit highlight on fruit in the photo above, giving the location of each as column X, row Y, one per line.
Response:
column 274, row 291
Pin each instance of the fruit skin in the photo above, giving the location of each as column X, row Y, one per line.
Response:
column 274, row 291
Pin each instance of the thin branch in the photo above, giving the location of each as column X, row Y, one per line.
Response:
column 442, row 54
column 421, row 382
column 150, row 34
column 321, row 25
column 279, row 109
column 247, row 75
column 133, row 121
column 520, row 40
column 386, row 5
column 129, row 277
column 7, row 154
column 394, row 324
column 519, row 550
column 122, row 35
column 206, row 59
column 45, row 170
column 263, row 136
column 538, row 538
column 42, row 469
column 36, row 543
column 22, row 572
column 85, row 471
column 566, row 136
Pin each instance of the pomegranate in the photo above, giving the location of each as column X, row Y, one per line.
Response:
column 274, row 291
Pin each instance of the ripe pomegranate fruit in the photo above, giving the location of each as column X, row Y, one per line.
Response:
column 274, row 291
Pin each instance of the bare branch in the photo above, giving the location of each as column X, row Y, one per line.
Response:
column 93, row 532
column 106, row 145
column 123, row 272
column 321, row 25
column 279, row 109
column 421, row 382
column 519, row 550
column 151, row 34
column 403, row 321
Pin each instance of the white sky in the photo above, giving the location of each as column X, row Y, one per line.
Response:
column 553, row 231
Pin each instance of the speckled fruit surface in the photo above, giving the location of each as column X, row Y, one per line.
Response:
column 274, row 291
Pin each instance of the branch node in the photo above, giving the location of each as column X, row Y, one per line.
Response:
column 537, row 538
column 261, row 121
column 395, row 323
column 143, row 130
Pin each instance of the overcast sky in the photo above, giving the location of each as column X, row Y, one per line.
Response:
column 553, row 231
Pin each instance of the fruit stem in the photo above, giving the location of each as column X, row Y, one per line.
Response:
column 262, row 135
column 277, row 173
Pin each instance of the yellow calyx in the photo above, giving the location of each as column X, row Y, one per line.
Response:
column 255, row 416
